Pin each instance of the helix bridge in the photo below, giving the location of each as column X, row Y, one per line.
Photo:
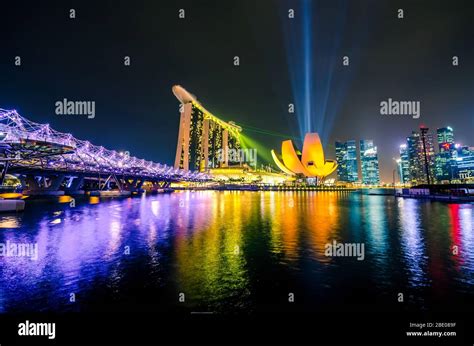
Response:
column 43, row 158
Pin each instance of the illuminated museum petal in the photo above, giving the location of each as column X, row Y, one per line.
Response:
column 280, row 164
column 291, row 159
column 313, row 153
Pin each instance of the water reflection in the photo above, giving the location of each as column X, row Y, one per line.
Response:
column 375, row 212
column 222, row 248
column 462, row 226
column 412, row 243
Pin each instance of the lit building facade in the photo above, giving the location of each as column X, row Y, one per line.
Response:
column 369, row 163
column 454, row 162
column 421, row 157
column 445, row 161
column 341, row 151
column 445, row 135
column 203, row 139
column 346, row 157
column 464, row 164
column 404, row 164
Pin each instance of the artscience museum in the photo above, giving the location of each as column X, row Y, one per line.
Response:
column 310, row 162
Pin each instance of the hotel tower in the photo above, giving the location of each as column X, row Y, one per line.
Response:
column 203, row 138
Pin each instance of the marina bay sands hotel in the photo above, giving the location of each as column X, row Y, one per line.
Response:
column 203, row 139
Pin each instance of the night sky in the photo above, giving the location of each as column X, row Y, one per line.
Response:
column 82, row 59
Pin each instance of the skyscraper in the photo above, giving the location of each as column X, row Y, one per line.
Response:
column 427, row 154
column 341, row 152
column 445, row 135
column 369, row 163
column 464, row 168
column 445, row 163
column 346, row 157
column 202, row 135
column 404, row 164
column 421, row 157
column 352, row 165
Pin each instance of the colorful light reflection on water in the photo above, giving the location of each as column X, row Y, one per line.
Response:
column 235, row 251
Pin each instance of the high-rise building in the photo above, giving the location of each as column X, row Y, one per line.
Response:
column 203, row 139
column 369, row 163
column 404, row 164
column 352, row 165
column 341, row 152
column 445, row 135
column 428, row 154
column 415, row 164
column 421, row 156
column 464, row 168
column 346, row 157
column 445, row 163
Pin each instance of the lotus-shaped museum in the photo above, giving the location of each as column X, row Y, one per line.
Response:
column 310, row 162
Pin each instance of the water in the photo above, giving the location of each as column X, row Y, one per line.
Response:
column 238, row 252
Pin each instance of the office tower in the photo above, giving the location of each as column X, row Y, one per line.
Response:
column 341, row 151
column 346, row 157
column 445, row 135
column 445, row 163
column 464, row 168
column 369, row 163
column 351, row 161
column 427, row 154
column 404, row 164
column 421, row 157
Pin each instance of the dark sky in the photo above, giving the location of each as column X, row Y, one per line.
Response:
column 82, row 59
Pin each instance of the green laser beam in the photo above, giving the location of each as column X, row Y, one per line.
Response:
column 266, row 132
column 273, row 134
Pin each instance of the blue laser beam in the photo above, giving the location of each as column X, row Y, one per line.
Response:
column 313, row 43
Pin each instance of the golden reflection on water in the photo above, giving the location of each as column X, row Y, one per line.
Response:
column 284, row 223
column 9, row 222
column 94, row 200
column 297, row 215
column 212, row 254
column 212, row 247
column 323, row 220
column 65, row 199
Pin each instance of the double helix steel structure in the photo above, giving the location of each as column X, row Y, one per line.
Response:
column 29, row 146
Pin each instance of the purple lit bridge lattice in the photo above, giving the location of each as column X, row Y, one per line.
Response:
column 44, row 159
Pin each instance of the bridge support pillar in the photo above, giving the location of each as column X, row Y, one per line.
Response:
column 32, row 183
column 44, row 186
column 22, row 181
column 55, row 182
column 75, row 184
column 132, row 185
column 159, row 185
